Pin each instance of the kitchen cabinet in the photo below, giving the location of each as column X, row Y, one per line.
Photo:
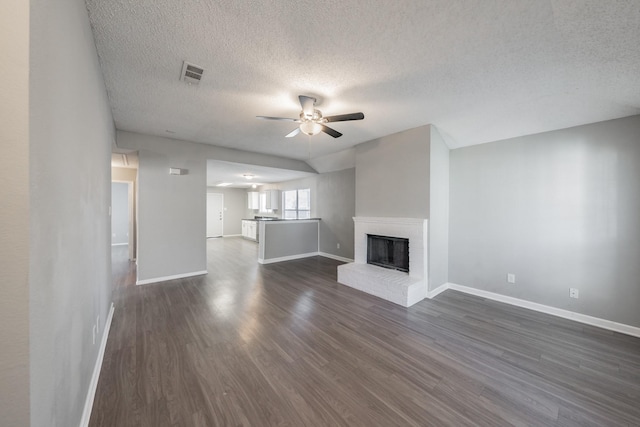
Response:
column 253, row 200
column 253, row 230
column 250, row 229
column 272, row 199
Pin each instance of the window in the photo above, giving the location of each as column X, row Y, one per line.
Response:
column 297, row 204
column 263, row 203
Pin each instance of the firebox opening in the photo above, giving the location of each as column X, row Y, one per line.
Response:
column 388, row 252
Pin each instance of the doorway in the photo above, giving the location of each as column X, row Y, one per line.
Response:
column 215, row 214
column 119, row 214
column 122, row 233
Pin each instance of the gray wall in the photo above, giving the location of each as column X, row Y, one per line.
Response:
column 235, row 206
column 119, row 213
column 332, row 200
column 341, row 160
column 392, row 175
column 336, row 199
column 282, row 239
column 14, row 213
column 71, row 133
column 559, row 210
column 171, row 208
column 438, row 251
column 171, row 211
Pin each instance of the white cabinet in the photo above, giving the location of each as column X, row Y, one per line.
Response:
column 272, row 199
column 253, row 230
column 250, row 229
column 253, row 200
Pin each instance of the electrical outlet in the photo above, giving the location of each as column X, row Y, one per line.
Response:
column 338, row 245
column 574, row 293
column 511, row 278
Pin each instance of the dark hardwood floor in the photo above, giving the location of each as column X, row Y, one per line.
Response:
column 284, row 344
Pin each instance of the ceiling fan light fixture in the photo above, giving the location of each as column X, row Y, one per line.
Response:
column 311, row 120
column 310, row 128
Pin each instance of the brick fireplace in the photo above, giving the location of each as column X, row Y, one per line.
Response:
column 399, row 287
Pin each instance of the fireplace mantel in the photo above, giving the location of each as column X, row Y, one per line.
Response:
column 401, row 288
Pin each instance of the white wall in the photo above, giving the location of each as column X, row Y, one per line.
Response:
column 392, row 175
column 559, row 210
column 14, row 213
column 71, row 133
column 438, row 251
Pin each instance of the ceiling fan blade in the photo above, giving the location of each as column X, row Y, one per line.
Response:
column 307, row 103
column 278, row 118
column 334, row 133
column 293, row 133
column 344, row 117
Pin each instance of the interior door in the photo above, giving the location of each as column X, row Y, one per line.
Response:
column 215, row 209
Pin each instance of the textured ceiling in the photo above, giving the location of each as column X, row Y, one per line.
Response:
column 478, row 70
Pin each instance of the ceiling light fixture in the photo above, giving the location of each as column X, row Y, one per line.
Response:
column 310, row 128
column 248, row 176
column 254, row 186
column 311, row 120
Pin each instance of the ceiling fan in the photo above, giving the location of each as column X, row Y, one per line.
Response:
column 311, row 120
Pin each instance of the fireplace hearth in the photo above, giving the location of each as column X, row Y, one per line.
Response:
column 405, row 285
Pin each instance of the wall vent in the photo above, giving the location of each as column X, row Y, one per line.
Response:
column 191, row 73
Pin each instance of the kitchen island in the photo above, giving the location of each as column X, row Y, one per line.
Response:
column 287, row 239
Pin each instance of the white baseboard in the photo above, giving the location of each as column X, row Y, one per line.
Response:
column 438, row 290
column 336, row 257
column 175, row 276
column 559, row 312
column 119, row 244
column 93, row 385
column 287, row 258
column 232, row 235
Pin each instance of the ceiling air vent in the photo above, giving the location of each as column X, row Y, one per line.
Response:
column 191, row 73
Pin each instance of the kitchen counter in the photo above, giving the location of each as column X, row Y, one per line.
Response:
column 253, row 228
